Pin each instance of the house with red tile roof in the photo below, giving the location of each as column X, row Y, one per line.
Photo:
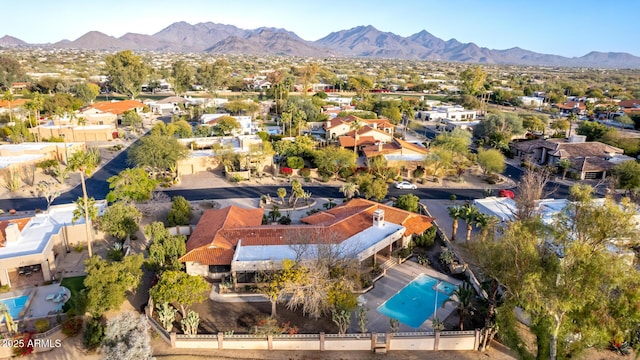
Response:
column 397, row 153
column 340, row 126
column 367, row 135
column 108, row 112
column 233, row 242
column 575, row 107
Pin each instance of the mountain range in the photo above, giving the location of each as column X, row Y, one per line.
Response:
column 361, row 41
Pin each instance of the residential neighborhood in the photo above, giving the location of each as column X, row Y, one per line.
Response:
column 238, row 205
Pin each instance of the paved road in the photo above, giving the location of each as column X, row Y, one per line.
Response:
column 98, row 187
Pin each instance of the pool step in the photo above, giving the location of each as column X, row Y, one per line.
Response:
column 391, row 262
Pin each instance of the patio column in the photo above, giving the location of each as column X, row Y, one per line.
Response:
column 4, row 277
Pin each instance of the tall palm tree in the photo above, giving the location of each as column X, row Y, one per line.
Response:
column 8, row 97
column 349, row 189
column 464, row 296
column 469, row 214
column 85, row 162
column 407, row 114
column 355, row 125
column 572, row 119
column 455, row 212
column 485, row 223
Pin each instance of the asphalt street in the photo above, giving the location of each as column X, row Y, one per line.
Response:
column 98, row 188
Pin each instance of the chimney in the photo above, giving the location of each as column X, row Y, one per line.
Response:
column 12, row 233
column 380, row 146
column 327, row 124
column 378, row 218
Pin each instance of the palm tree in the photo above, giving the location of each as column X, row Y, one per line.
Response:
column 464, row 296
column 455, row 212
column 564, row 164
column 485, row 223
column 407, row 114
column 355, row 125
column 469, row 214
column 85, row 163
column 8, row 97
column 572, row 119
column 349, row 189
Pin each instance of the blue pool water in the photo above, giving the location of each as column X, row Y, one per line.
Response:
column 15, row 305
column 415, row 302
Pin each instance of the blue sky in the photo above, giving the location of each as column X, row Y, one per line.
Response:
column 555, row 27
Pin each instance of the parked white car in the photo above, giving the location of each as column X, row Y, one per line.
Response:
column 405, row 185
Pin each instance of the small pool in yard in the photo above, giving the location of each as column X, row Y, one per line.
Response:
column 15, row 305
column 416, row 302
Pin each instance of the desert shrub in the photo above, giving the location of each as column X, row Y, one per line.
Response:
column 93, row 334
column 346, row 173
column 285, row 220
column 427, row 238
column 295, row 162
column 180, row 213
column 72, row 326
column 42, row 325
column 305, row 172
column 418, row 173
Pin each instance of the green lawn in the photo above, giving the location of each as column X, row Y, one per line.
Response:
column 75, row 285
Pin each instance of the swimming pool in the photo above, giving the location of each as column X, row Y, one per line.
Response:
column 15, row 305
column 415, row 302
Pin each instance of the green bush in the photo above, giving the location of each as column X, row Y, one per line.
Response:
column 285, row 220
column 46, row 164
column 305, row 172
column 42, row 325
column 295, row 162
column 346, row 173
column 180, row 213
column 72, row 326
column 427, row 238
column 93, row 335
column 418, row 173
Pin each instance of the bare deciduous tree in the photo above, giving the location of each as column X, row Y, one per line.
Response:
column 531, row 189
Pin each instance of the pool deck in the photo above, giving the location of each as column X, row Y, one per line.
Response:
column 37, row 305
column 389, row 285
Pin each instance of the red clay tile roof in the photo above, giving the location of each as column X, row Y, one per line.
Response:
column 572, row 105
column 380, row 123
column 631, row 103
column 349, row 141
column 218, row 232
column 116, row 107
column 397, row 146
column 16, row 103
column 209, row 256
column 22, row 222
column 207, row 230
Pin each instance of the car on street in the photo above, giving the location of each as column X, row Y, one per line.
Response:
column 405, row 185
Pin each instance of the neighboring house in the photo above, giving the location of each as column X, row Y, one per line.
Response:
column 39, row 242
column 451, row 125
column 340, row 126
column 396, row 149
column 341, row 101
column 16, row 104
column 28, row 153
column 167, row 105
column 203, row 153
column 247, row 125
column 575, row 107
column 505, row 210
column 18, row 87
column 451, row 112
column 532, row 101
column 366, row 136
column 109, row 112
column 74, row 133
column 233, row 242
column 590, row 160
column 630, row 107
